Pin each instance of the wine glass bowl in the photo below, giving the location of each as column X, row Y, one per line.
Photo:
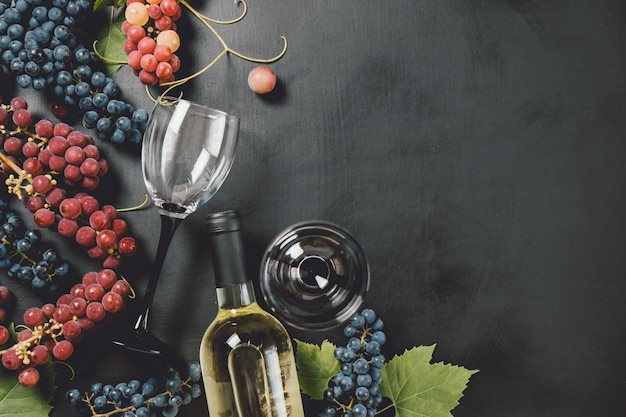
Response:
column 314, row 275
column 187, row 152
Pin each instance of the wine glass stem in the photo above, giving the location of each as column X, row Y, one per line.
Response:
column 168, row 227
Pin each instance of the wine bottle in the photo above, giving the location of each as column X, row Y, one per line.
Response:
column 246, row 354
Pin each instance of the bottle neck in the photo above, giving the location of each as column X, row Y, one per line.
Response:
column 235, row 296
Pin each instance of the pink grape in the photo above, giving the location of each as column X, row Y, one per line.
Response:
column 90, row 278
column 62, row 313
column 67, row 227
column 95, row 311
column 34, row 316
column 77, row 138
column 4, row 335
column 44, row 217
column 89, row 167
column 18, row 103
column 146, row 45
column 78, row 306
column 149, row 63
column 97, row 252
column 94, row 292
column 72, row 174
column 10, row 360
column 57, row 163
column 5, row 295
column 62, row 129
column 30, row 149
column 106, row 278
column 89, row 204
column 63, row 349
column 86, row 236
column 45, row 155
column 112, row 302
column 75, row 155
column 72, row 330
column 121, row 287
column 135, row 33
column 106, row 239
column 164, row 23
column 13, row 145
column 44, row 128
column 70, row 208
column 99, row 220
column 58, row 145
column 262, row 79
column 28, row 377
column 22, row 118
column 32, row 166
column 39, row 355
column 41, row 184
column 55, row 196
column 92, row 151
column 127, row 246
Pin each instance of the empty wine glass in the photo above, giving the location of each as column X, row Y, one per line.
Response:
column 187, row 152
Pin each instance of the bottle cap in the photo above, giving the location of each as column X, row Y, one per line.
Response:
column 227, row 249
column 224, row 221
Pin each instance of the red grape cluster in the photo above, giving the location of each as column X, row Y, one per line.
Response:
column 151, row 39
column 53, row 329
column 49, row 169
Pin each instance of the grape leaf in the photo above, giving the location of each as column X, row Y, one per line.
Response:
column 418, row 388
column 110, row 45
column 316, row 366
column 20, row 401
column 101, row 4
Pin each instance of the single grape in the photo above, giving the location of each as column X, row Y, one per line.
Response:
column 262, row 80
column 28, row 377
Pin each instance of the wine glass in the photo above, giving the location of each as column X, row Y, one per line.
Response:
column 314, row 275
column 187, row 152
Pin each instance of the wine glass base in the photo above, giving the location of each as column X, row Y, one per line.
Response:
column 148, row 350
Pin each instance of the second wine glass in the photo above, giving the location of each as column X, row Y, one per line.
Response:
column 187, row 152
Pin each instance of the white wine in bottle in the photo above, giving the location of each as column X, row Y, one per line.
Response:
column 246, row 354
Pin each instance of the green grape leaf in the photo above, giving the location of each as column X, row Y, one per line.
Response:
column 110, row 46
column 316, row 366
column 20, row 401
column 101, row 4
column 418, row 388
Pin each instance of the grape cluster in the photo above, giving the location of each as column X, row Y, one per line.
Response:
column 152, row 40
column 24, row 258
column 39, row 47
column 54, row 328
column 155, row 397
column 354, row 390
column 48, row 170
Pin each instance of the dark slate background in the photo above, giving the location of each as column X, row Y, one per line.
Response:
column 475, row 148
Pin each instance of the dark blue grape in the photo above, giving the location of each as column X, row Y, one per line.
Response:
column 62, row 53
column 73, row 396
column 55, row 14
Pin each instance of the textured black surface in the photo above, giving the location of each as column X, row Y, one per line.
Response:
column 475, row 148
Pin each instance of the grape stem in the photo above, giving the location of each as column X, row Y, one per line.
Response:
column 206, row 21
column 140, row 206
column 11, row 164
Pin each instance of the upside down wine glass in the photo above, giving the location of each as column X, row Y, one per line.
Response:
column 187, row 152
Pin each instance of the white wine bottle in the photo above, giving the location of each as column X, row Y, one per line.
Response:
column 246, row 355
